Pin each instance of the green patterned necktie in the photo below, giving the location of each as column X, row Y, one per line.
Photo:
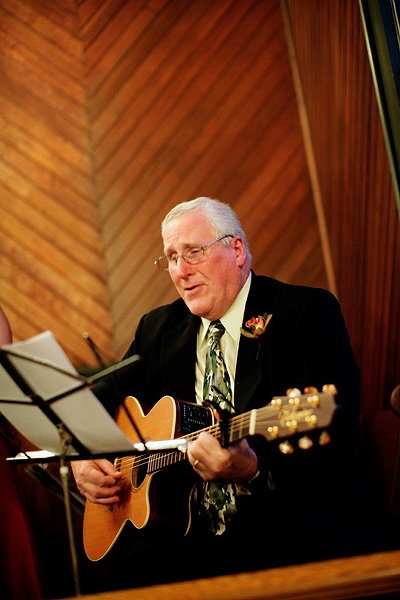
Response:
column 219, row 499
column 217, row 383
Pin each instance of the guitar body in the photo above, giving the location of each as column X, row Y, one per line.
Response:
column 169, row 489
column 164, row 479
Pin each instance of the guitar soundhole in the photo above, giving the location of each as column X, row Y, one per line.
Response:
column 134, row 470
column 138, row 471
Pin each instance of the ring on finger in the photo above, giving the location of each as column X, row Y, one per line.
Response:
column 196, row 462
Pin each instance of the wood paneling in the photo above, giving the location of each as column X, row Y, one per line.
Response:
column 356, row 186
column 112, row 111
column 115, row 111
column 194, row 99
column 52, row 268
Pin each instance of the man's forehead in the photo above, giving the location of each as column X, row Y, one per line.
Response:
column 187, row 232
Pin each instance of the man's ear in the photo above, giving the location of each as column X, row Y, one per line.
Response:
column 240, row 250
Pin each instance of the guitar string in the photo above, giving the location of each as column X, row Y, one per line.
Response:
column 163, row 456
column 235, row 427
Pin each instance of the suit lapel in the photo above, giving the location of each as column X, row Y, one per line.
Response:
column 179, row 355
column 252, row 363
column 179, row 350
column 248, row 373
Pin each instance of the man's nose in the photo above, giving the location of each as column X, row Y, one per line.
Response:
column 182, row 266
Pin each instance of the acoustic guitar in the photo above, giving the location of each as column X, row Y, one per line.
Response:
column 158, row 486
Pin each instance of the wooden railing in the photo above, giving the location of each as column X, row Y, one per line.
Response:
column 372, row 576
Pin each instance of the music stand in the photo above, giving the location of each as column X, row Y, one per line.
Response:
column 52, row 406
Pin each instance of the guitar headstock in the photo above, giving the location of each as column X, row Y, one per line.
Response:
column 296, row 413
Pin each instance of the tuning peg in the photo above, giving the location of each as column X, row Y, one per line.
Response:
column 293, row 392
column 273, row 430
column 329, row 388
column 292, row 425
column 305, row 443
column 311, row 420
column 324, row 438
column 276, row 402
column 286, row 448
column 295, row 401
column 311, row 390
column 314, row 400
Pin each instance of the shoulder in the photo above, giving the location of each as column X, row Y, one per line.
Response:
column 278, row 292
column 169, row 317
column 174, row 310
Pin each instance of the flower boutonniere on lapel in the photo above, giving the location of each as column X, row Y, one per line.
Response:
column 257, row 326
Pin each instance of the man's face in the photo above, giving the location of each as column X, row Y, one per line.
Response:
column 210, row 286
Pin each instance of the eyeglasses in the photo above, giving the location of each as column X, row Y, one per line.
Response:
column 190, row 255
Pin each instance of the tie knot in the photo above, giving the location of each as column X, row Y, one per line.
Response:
column 216, row 329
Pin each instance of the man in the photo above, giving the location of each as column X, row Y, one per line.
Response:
column 287, row 508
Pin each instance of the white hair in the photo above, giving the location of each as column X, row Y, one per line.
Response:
column 222, row 218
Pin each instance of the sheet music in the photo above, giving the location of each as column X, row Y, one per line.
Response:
column 79, row 410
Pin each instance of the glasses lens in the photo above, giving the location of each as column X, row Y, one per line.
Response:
column 193, row 255
column 162, row 263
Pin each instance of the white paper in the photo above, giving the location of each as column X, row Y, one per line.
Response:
column 80, row 411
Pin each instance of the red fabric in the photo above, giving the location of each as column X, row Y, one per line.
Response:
column 18, row 569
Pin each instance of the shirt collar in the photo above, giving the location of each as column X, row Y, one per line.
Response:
column 233, row 318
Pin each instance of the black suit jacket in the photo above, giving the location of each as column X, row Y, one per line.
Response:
column 307, row 505
column 305, row 343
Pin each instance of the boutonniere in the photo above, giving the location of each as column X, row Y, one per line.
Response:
column 257, row 326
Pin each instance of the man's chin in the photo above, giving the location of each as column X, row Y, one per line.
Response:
column 196, row 308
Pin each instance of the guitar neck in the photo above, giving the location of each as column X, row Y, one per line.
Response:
column 234, row 433
column 283, row 417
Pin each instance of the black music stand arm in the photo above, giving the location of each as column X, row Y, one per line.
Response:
column 65, row 442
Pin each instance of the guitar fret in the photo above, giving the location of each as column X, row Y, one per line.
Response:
column 238, row 428
column 152, row 465
column 160, row 460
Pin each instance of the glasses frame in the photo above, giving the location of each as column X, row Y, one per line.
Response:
column 185, row 253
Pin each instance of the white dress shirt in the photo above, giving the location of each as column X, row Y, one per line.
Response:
column 232, row 321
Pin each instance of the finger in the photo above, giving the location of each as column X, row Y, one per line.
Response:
column 103, row 501
column 108, row 467
column 99, row 495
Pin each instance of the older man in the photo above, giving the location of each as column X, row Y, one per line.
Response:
column 252, row 506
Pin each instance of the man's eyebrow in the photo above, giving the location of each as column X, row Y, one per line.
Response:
column 169, row 249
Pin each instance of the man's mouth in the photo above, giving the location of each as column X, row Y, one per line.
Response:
column 189, row 289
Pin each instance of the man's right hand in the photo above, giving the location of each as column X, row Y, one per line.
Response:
column 97, row 480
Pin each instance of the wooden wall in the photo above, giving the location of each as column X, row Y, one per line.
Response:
column 52, row 268
column 115, row 111
column 359, row 208
column 112, row 111
column 194, row 99
column 355, row 184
